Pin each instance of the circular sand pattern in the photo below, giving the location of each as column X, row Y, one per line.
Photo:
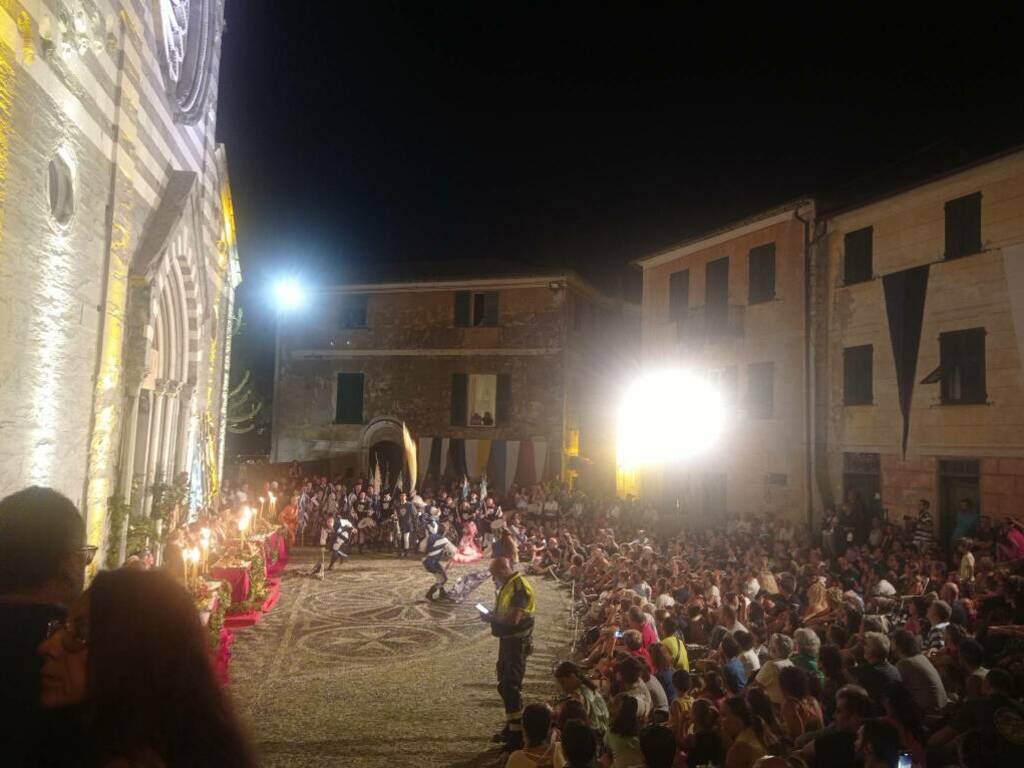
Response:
column 360, row 670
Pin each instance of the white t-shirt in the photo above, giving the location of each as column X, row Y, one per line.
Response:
column 663, row 601
column 750, row 662
column 884, row 589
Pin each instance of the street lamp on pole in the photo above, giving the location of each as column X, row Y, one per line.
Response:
column 289, row 296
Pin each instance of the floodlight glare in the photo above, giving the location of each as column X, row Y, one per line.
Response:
column 289, row 294
column 667, row 416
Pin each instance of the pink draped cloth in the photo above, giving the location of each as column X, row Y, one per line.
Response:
column 238, row 578
column 222, row 657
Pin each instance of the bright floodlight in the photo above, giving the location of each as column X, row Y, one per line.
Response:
column 289, row 294
column 667, row 416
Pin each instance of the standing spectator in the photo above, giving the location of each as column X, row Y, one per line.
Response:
column 924, row 528
column 663, row 669
column 144, row 687
column 966, row 521
column 918, row 673
column 42, row 569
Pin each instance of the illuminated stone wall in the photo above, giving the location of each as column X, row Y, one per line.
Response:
column 561, row 376
column 117, row 269
column 763, row 458
column 982, row 290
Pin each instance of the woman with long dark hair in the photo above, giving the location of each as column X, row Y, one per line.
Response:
column 575, row 684
column 133, row 662
column 746, row 733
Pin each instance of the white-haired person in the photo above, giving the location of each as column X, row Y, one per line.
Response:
column 807, row 645
column 876, row 672
column 780, row 648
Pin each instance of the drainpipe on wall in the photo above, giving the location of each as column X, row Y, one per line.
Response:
column 808, row 378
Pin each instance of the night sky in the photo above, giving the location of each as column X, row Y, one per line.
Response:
column 578, row 137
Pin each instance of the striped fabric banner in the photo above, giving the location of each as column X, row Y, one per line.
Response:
column 483, row 455
column 471, row 450
column 423, row 458
column 496, row 466
column 540, row 455
column 511, row 461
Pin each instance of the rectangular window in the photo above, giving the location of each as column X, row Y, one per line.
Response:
column 761, row 390
column 858, row 372
column 353, row 310
column 485, row 308
column 963, row 226
column 349, row 408
column 479, row 399
column 463, row 318
column 762, row 273
column 858, row 249
column 679, row 294
column 962, row 363
column 724, row 380
column 716, row 295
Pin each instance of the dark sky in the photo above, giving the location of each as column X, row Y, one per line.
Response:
column 579, row 135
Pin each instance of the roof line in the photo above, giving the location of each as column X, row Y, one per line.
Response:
column 711, row 233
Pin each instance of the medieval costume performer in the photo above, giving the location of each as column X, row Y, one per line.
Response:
column 437, row 547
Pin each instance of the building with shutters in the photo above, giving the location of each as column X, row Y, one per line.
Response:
column 874, row 347
column 513, row 377
column 920, row 330
column 730, row 305
column 117, row 247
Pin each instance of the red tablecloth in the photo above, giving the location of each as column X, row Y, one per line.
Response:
column 222, row 657
column 239, row 580
column 276, row 544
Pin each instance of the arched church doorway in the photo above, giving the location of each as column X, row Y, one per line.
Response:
column 390, row 457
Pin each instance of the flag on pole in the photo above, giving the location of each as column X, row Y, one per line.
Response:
column 483, row 487
column 465, row 487
column 410, row 455
column 398, row 484
column 376, row 480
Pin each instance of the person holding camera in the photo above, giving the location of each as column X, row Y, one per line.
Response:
column 512, row 623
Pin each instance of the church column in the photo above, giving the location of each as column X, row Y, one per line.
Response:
column 170, row 428
column 155, row 439
column 181, row 458
column 140, row 460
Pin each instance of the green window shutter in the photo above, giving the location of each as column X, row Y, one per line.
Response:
column 503, row 404
column 490, row 309
column 349, row 408
column 462, row 307
column 460, row 382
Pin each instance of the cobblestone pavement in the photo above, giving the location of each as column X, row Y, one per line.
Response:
column 360, row 670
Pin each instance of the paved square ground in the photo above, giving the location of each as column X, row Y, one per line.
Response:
column 360, row 670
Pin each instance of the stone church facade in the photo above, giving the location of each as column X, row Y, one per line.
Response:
column 117, row 250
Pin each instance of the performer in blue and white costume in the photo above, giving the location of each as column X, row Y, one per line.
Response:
column 437, row 547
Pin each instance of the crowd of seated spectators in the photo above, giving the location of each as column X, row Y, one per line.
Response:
column 754, row 643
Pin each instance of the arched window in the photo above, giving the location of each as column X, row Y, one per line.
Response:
column 188, row 31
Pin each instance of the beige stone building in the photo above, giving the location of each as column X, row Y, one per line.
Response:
column 730, row 305
column 918, row 345
column 503, row 376
column 117, row 250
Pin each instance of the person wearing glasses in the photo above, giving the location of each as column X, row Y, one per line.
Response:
column 43, row 556
column 132, row 662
